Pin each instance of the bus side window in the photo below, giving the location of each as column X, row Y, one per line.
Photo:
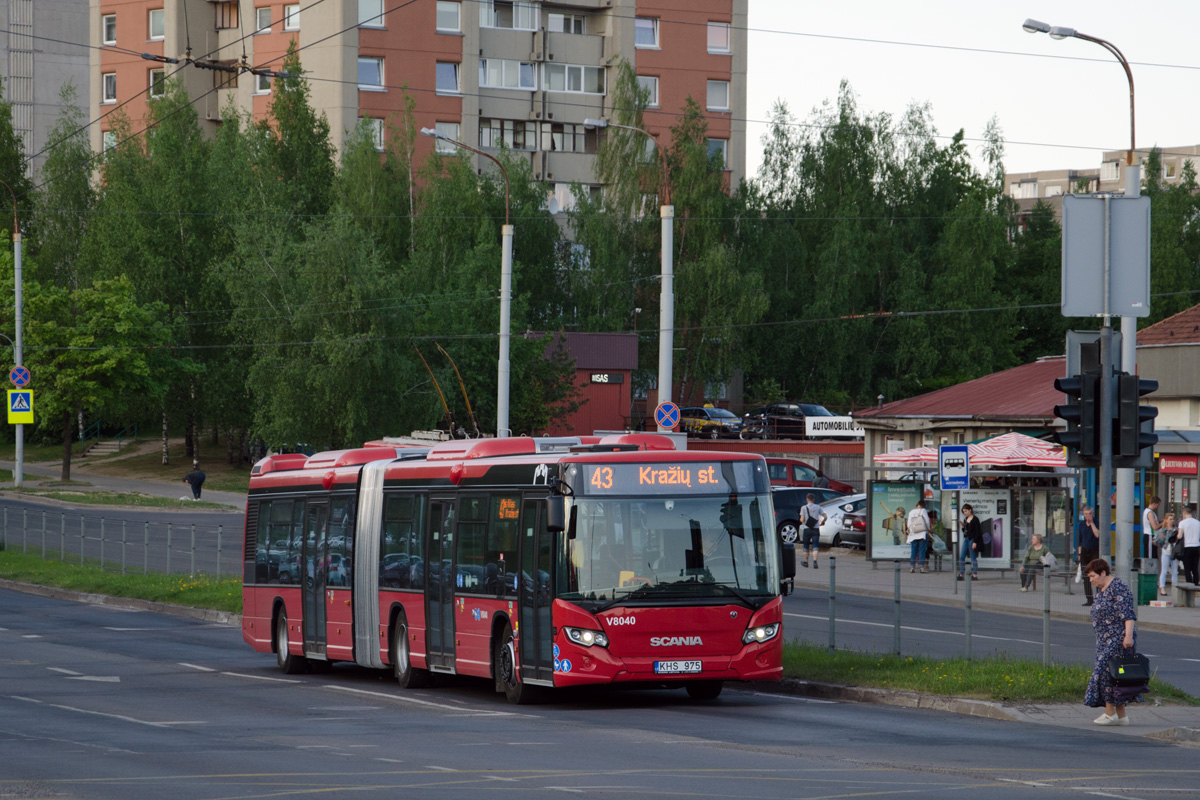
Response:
column 472, row 533
column 341, row 542
column 262, row 542
column 500, row 553
column 400, row 565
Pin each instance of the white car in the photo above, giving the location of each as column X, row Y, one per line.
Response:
column 835, row 510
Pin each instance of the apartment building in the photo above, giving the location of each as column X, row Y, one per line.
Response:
column 517, row 73
column 45, row 48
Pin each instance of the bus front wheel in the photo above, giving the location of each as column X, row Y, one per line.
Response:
column 504, row 667
column 408, row 676
column 290, row 664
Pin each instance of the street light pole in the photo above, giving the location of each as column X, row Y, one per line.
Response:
column 1123, row 564
column 666, row 309
column 503, row 373
column 19, row 467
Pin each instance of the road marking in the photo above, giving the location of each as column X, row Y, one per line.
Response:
column 427, row 703
column 193, row 666
column 258, row 677
column 97, row 678
column 912, row 628
column 122, row 717
column 63, row 671
column 563, row 789
column 498, row 778
column 31, row 636
column 391, row 760
column 110, row 628
column 441, row 769
column 25, row 699
column 777, row 697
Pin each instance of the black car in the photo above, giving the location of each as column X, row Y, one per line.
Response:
column 710, row 422
column 784, row 420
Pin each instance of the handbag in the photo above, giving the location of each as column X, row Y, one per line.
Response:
column 1177, row 549
column 1129, row 668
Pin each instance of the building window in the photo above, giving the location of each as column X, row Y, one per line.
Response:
column 567, row 138
column 515, row 14
column 374, row 128
column 447, row 77
column 719, row 149
column 291, row 17
column 1170, row 170
column 262, row 84
column 108, row 87
column 158, row 82
column 718, row 37
column 649, row 84
column 514, row 134
column 718, row 95
column 451, row 131
column 565, row 23
column 573, row 78
column 110, row 140
column 560, row 197
column 370, row 73
column 227, row 15
column 645, row 32
column 1110, row 170
column 262, row 20
column 370, row 13
column 449, row 16
column 500, row 73
column 1054, row 191
column 158, row 23
column 108, row 29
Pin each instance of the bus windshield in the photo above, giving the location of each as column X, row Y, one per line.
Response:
column 655, row 549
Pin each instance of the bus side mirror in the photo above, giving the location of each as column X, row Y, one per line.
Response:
column 556, row 517
column 789, row 560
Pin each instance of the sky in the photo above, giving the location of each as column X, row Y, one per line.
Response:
column 1059, row 103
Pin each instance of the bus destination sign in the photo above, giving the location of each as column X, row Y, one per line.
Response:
column 664, row 477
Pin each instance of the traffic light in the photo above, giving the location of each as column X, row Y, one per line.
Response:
column 1133, row 430
column 1081, row 438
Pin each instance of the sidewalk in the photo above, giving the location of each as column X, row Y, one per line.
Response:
column 35, row 473
column 992, row 592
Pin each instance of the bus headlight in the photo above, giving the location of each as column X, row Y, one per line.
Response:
column 585, row 637
column 763, row 633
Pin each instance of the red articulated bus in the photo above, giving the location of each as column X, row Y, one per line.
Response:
column 531, row 562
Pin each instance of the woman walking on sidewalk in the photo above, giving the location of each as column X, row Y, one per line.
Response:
column 1165, row 539
column 1113, row 617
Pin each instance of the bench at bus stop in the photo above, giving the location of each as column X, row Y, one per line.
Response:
column 1067, row 575
column 1184, row 594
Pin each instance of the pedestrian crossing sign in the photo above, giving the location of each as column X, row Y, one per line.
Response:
column 20, row 407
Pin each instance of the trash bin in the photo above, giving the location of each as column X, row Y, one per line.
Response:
column 1147, row 588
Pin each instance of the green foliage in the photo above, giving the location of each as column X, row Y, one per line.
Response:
column 12, row 166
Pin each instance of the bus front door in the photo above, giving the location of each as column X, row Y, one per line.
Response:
column 439, row 582
column 536, row 594
column 316, row 519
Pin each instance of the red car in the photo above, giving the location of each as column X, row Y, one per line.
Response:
column 794, row 472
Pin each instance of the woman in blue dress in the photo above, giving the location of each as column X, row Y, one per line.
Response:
column 1113, row 617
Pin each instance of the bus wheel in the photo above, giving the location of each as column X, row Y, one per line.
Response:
column 290, row 664
column 505, row 668
column 408, row 676
column 705, row 690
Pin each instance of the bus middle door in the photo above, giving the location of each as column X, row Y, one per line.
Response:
column 316, row 555
column 439, row 585
column 536, row 594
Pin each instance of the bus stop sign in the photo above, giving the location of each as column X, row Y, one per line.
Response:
column 954, row 468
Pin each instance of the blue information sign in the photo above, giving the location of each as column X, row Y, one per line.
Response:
column 954, row 467
column 19, row 376
column 666, row 415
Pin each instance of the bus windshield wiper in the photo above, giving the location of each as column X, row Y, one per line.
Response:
column 739, row 594
column 636, row 594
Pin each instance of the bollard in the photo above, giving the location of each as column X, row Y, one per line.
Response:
column 896, row 624
column 24, row 530
column 219, row 527
column 1046, row 615
column 832, row 603
column 62, row 536
column 967, row 609
column 145, row 548
column 122, row 547
column 168, row 548
column 43, row 536
column 81, row 536
column 102, row 543
column 192, row 570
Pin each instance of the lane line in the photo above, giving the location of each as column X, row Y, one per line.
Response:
column 96, row 678
column 122, row 630
column 193, row 666
column 121, row 717
column 63, row 671
column 31, row 636
column 259, row 677
column 428, row 703
column 778, row 697
column 440, row 769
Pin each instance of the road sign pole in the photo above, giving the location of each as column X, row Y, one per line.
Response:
column 1104, row 490
column 19, row 467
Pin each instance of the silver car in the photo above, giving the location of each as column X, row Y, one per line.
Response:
column 835, row 511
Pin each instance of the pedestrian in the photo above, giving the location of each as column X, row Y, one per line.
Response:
column 1151, row 524
column 1189, row 529
column 1166, row 537
column 1087, row 546
column 972, row 541
column 812, row 518
column 195, row 479
column 918, row 537
column 1113, row 618
column 820, row 482
column 1035, row 556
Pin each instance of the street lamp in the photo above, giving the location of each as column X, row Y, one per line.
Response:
column 19, row 467
column 1133, row 187
column 666, row 314
column 506, row 238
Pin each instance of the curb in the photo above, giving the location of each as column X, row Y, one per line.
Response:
column 889, row 697
column 133, row 603
column 1177, row 735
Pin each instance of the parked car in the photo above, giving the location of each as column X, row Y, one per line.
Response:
column 794, row 472
column 787, row 502
column 710, row 422
column 784, row 420
column 836, row 512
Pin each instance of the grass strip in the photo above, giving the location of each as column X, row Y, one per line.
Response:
column 130, row 499
column 201, row 591
column 995, row 678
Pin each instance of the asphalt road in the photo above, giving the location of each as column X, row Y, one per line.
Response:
column 98, row 702
column 868, row 624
